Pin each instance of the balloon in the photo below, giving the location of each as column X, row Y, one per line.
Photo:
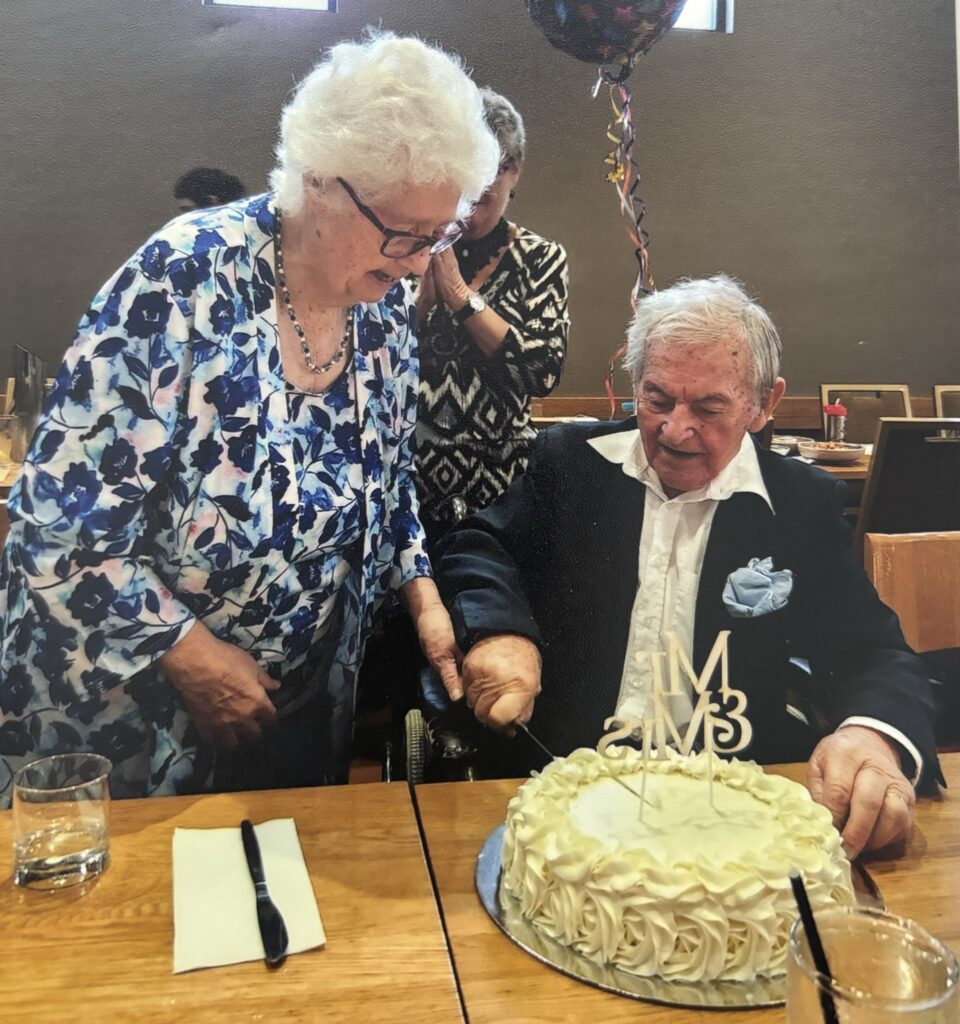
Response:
column 605, row 31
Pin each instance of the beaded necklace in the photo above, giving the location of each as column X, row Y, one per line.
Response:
column 311, row 364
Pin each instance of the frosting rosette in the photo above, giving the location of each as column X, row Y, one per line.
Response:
column 695, row 888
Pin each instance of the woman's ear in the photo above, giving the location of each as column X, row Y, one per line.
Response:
column 313, row 184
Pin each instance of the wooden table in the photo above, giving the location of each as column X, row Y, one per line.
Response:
column 500, row 982
column 8, row 476
column 847, row 470
column 107, row 955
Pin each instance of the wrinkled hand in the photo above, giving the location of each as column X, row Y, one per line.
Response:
column 223, row 687
column 426, row 297
column 501, row 676
column 855, row 773
column 440, row 647
column 448, row 280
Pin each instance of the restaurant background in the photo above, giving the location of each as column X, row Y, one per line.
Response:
column 813, row 153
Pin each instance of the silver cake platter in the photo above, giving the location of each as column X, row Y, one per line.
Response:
column 504, row 909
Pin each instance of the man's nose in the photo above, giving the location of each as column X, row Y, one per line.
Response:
column 677, row 424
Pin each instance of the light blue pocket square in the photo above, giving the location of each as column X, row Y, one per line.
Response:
column 757, row 589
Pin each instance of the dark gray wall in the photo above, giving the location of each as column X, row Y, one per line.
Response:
column 812, row 153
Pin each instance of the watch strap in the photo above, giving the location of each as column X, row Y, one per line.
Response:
column 471, row 306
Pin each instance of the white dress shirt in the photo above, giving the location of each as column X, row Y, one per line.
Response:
column 673, row 542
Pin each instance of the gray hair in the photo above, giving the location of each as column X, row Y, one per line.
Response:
column 504, row 120
column 706, row 310
column 383, row 113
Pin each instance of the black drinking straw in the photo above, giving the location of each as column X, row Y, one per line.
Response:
column 827, row 1004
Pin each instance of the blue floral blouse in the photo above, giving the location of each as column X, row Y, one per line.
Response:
column 174, row 476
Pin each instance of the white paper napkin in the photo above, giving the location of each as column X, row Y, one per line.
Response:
column 214, row 909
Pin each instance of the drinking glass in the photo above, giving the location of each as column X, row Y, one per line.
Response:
column 61, row 810
column 886, row 970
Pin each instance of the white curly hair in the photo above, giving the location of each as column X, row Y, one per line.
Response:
column 705, row 310
column 384, row 113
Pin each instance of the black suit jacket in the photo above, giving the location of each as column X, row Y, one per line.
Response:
column 555, row 559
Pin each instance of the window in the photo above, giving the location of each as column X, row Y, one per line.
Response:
column 712, row 15
column 290, row 5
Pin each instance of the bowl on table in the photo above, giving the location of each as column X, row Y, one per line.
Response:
column 831, row 451
column 788, row 442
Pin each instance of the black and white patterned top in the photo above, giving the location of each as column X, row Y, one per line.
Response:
column 473, row 428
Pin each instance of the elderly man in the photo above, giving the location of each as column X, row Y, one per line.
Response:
column 620, row 534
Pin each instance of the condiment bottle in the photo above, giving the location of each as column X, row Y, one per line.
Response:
column 836, row 422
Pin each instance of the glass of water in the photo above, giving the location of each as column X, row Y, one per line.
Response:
column 886, row 970
column 61, row 813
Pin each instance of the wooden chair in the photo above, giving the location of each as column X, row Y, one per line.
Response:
column 916, row 574
column 946, row 400
column 914, row 481
column 865, row 405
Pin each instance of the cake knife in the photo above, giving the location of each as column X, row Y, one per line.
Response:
column 273, row 931
column 553, row 757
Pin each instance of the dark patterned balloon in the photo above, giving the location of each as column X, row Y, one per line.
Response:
column 604, row 31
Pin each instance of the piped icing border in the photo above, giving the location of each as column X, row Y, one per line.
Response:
column 695, row 921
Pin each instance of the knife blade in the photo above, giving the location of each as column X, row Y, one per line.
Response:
column 273, row 931
column 553, row 757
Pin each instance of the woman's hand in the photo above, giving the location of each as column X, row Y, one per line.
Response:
column 224, row 688
column 448, row 280
column 440, row 647
column 426, row 297
column 486, row 329
column 435, row 630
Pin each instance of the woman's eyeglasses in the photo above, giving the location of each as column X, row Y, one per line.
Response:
column 399, row 244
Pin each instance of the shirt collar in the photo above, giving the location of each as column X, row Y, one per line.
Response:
column 740, row 475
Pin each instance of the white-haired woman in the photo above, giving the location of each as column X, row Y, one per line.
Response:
column 493, row 335
column 219, row 493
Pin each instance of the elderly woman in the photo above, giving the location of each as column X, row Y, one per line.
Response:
column 493, row 311
column 219, row 493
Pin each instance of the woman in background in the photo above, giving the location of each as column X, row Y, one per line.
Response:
column 206, row 186
column 219, row 492
column 492, row 324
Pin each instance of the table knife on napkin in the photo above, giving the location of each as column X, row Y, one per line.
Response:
column 272, row 929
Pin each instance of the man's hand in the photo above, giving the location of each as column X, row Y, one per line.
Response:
column 223, row 687
column 855, row 773
column 501, row 676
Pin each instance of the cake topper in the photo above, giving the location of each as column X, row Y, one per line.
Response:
column 718, row 714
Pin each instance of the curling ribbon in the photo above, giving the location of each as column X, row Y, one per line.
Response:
column 624, row 175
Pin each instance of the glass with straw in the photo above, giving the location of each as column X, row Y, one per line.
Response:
column 881, row 969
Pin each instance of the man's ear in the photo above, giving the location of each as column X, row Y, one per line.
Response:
column 770, row 403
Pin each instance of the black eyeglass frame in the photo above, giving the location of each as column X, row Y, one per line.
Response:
column 436, row 245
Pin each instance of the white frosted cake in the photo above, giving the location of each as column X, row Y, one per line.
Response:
column 693, row 892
